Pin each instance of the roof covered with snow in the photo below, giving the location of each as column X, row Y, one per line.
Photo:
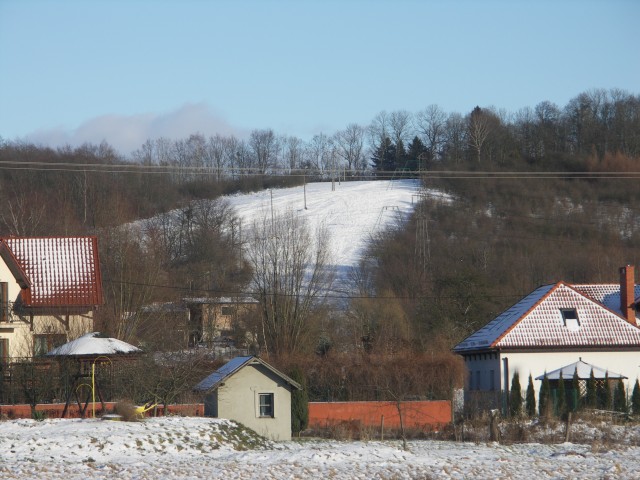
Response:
column 93, row 344
column 55, row 271
column 234, row 365
column 558, row 315
column 583, row 369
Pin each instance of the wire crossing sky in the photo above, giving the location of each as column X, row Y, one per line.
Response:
column 123, row 72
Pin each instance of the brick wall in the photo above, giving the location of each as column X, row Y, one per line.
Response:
column 423, row 415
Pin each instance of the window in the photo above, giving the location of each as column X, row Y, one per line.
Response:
column 227, row 311
column 4, row 302
column 570, row 318
column 47, row 342
column 266, row 405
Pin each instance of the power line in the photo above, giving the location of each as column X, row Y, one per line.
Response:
column 287, row 172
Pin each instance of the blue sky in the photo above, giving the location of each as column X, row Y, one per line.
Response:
column 124, row 71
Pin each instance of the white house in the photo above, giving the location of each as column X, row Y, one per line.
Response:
column 50, row 288
column 252, row 392
column 552, row 327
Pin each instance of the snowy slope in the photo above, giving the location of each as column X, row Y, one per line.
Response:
column 204, row 448
column 351, row 213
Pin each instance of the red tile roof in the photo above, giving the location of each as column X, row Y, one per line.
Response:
column 536, row 321
column 55, row 271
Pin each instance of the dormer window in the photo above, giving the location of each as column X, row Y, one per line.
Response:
column 570, row 318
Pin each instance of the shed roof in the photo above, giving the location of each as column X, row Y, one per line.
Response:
column 583, row 369
column 234, row 365
column 55, row 271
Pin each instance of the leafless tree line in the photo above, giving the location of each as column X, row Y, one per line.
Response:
column 597, row 121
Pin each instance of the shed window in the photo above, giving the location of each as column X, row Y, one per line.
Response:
column 266, row 405
column 570, row 318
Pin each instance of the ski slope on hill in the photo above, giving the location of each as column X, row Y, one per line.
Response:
column 351, row 213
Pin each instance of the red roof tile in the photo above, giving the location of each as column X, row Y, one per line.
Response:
column 55, row 271
column 536, row 321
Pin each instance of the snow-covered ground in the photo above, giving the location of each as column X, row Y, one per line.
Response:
column 201, row 448
column 351, row 213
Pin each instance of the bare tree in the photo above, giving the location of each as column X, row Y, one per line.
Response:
column 264, row 146
column 431, row 123
column 291, row 272
column 479, row 127
column 350, row 146
column 400, row 123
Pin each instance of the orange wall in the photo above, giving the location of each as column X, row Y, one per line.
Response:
column 423, row 414
column 54, row 410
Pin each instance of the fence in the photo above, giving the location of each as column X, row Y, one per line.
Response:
column 54, row 410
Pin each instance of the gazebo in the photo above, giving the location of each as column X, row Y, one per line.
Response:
column 88, row 351
column 582, row 370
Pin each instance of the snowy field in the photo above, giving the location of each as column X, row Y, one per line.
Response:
column 199, row 448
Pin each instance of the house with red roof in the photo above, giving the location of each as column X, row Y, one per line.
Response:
column 50, row 288
column 551, row 328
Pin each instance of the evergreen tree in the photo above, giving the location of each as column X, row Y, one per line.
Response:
column 592, row 392
column 384, row 157
column 544, row 396
column 416, row 155
column 515, row 396
column 561, row 403
column 635, row 399
column 620, row 397
column 575, row 392
column 299, row 403
column 531, row 398
column 604, row 394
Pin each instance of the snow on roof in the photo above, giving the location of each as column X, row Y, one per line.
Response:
column 583, row 369
column 92, row 344
column 232, row 366
column 223, row 372
column 487, row 335
column 56, row 271
column 538, row 320
column 607, row 294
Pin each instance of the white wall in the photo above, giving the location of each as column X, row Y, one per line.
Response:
column 625, row 363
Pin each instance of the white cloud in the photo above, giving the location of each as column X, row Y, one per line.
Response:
column 127, row 133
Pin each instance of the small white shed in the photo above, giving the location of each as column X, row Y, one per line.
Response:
column 252, row 392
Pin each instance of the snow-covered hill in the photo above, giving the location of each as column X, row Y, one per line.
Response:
column 351, row 213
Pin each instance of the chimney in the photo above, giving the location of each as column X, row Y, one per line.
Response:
column 627, row 293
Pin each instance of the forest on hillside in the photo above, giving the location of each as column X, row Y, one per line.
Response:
column 544, row 194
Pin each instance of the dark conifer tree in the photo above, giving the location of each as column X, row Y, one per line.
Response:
column 575, row 392
column 561, row 401
column 544, row 397
column 416, row 157
column 515, row 396
column 620, row 397
column 299, row 403
column 531, row 399
column 635, row 399
column 592, row 392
